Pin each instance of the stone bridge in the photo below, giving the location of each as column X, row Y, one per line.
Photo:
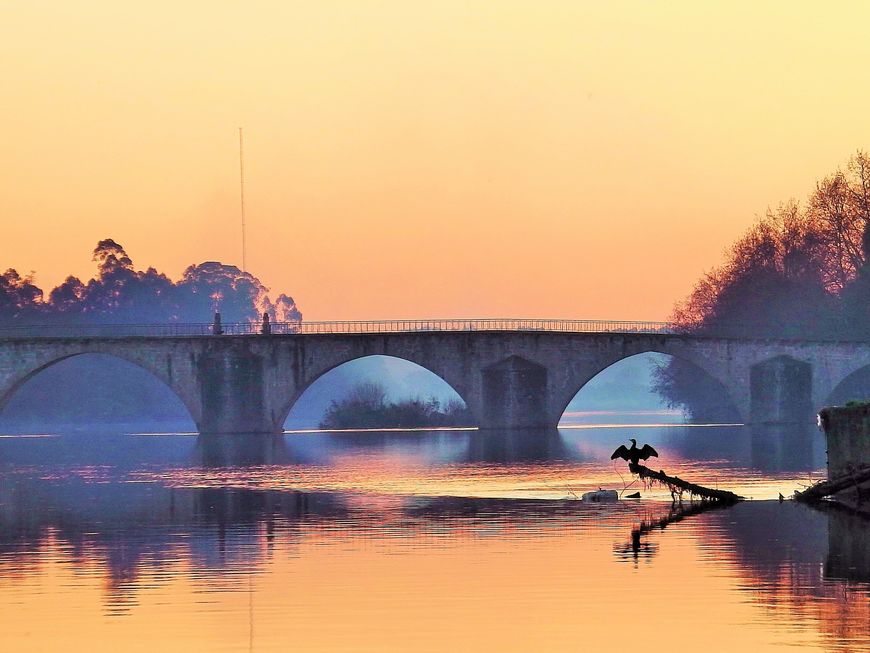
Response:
column 508, row 378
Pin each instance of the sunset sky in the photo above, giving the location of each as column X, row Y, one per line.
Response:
column 414, row 159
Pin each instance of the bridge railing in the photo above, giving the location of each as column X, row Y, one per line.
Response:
column 330, row 327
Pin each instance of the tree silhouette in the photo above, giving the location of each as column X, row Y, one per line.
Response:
column 798, row 272
column 120, row 294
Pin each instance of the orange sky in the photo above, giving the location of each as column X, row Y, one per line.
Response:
column 467, row 158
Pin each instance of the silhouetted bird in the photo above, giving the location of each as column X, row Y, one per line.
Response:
column 634, row 454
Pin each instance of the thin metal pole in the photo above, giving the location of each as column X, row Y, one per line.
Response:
column 242, row 189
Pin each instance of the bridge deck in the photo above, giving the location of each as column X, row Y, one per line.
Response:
column 332, row 327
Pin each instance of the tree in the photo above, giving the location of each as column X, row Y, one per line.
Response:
column 111, row 257
column 118, row 293
column 212, row 286
column 283, row 310
column 20, row 298
column 772, row 283
column 798, row 272
column 68, row 297
column 366, row 406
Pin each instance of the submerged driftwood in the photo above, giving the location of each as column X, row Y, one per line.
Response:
column 824, row 489
column 678, row 486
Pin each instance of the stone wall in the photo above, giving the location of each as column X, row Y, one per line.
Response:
column 847, row 430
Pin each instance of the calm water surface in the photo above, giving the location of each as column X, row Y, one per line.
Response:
column 429, row 541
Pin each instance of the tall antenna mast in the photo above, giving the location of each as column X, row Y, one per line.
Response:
column 242, row 189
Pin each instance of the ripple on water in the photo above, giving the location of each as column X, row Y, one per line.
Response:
column 367, row 546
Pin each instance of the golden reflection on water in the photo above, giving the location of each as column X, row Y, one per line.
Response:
column 404, row 474
column 395, row 575
column 440, row 543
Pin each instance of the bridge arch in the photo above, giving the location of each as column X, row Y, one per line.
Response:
column 411, row 367
column 11, row 385
column 575, row 384
column 854, row 386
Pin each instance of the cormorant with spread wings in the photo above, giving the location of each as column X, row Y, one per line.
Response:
column 635, row 454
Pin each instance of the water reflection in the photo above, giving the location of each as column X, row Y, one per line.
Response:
column 783, row 555
column 848, row 544
column 763, row 447
column 520, row 446
column 365, row 541
column 758, row 463
column 90, row 517
column 240, row 450
column 785, row 447
column 803, row 562
column 639, row 547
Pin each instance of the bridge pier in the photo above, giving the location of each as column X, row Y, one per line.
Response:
column 514, row 395
column 781, row 391
column 233, row 393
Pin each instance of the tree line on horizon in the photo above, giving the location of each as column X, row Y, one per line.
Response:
column 120, row 294
column 800, row 271
column 100, row 389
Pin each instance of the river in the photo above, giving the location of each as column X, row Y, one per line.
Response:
column 124, row 540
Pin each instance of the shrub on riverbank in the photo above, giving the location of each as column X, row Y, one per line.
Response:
column 366, row 406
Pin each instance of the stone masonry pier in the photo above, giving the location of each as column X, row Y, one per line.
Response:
column 508, row 379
